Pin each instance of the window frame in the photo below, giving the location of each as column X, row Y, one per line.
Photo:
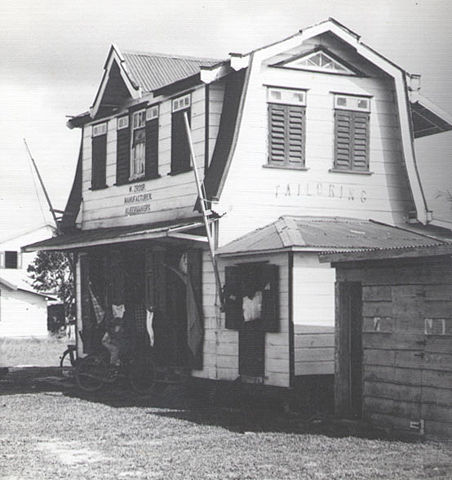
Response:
column 180, row 104
column 287, row 102
column 98, row 131
column 353, row 107
column 138, row 128
column 16, row 259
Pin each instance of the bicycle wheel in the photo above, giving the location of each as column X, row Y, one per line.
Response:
column 90, row 372
column 65, row 359
column 141, row 374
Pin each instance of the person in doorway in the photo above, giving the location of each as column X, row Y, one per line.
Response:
column 113, row 337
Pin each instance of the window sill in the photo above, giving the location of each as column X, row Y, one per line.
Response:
column 93, row 189
column 138, row 180
column 180, row 171
column 285, row 167
column 353, row 172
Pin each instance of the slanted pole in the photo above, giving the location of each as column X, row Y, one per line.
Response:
column 43, row 187
column 201, row 194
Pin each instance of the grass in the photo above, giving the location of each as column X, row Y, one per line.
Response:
column 50, row 435
column 43, row 352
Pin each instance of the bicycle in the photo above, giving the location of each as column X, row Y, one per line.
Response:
column 95, row 371
column 69, row 357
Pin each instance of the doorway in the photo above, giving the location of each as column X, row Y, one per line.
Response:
column 349, row 381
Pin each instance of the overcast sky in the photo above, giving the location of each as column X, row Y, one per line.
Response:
column 53, row 53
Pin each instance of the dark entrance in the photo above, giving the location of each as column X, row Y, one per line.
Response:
column 349, row 381
column 252, row 349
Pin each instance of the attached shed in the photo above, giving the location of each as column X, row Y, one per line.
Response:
column 394, row 338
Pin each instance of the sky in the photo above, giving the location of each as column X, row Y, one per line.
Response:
column 53, row 52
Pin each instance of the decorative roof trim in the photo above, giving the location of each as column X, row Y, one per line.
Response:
column 114, row 55
column 290, row 63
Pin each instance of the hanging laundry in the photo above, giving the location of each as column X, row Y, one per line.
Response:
column 252, row 307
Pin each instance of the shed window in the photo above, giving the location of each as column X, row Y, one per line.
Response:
column 98, row 156
column 351, row 133
column 252, row 293
column 286, row 127
column 180, row 149
column 11, row 259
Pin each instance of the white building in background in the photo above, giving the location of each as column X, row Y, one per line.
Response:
column 23, row 310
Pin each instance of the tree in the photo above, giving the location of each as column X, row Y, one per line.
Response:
column 52, row 272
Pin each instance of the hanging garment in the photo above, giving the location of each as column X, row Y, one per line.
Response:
column 252, row 307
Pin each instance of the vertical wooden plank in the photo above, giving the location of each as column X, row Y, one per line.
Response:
column 342, row 350
column 291, row 323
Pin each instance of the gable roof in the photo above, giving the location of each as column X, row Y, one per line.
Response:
column 17, row 280
column 151, row 71
column 335, row 234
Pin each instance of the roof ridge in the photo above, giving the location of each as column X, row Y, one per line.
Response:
column 169, row 55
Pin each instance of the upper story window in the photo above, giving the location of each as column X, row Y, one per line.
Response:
column 180, row 149
column 351, row 133
column 138, row 152
column 98, row 155
column 11, row 259
column 137, row 145
column 286, row 127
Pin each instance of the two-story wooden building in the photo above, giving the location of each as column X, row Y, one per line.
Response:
column 299, row 143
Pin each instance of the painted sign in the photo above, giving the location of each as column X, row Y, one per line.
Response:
column 321, row 189
column 138, row 200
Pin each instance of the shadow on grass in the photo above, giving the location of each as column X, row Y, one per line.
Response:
column 232, row 409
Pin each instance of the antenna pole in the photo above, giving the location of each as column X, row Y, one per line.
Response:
column 43, row 187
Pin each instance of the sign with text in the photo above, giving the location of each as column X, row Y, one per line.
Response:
column 321, row 189
column 137, row 202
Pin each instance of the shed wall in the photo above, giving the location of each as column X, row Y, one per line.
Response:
column 407, row 343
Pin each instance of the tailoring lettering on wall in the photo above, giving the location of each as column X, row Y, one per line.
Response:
column 320, row 189
column 137, row 202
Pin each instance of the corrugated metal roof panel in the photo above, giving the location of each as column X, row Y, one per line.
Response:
column 328, row 233
column 86, row 238
column 151, row 71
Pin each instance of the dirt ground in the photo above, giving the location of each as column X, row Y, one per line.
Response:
column 48, row 431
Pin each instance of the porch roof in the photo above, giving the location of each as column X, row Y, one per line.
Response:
column 113, row 235
column 330, row 235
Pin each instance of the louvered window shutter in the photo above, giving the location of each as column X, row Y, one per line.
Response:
column 233, row 298
column 98, row 161
column 270, row 298
column 351, row 140
column 180, row 150
column 360, row 141
column 152, row 148
column 286, row 135
column 122, row 156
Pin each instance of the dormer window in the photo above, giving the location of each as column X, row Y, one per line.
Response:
column 138, row 152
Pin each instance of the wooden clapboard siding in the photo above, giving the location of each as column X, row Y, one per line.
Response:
column 173, row 196
column 407, row 375
column 383, row 195
column 22, row 314
column 221, row 350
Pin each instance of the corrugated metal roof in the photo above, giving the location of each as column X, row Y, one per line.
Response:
column 154, row 70
column 327, row 234
column 103, row 236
